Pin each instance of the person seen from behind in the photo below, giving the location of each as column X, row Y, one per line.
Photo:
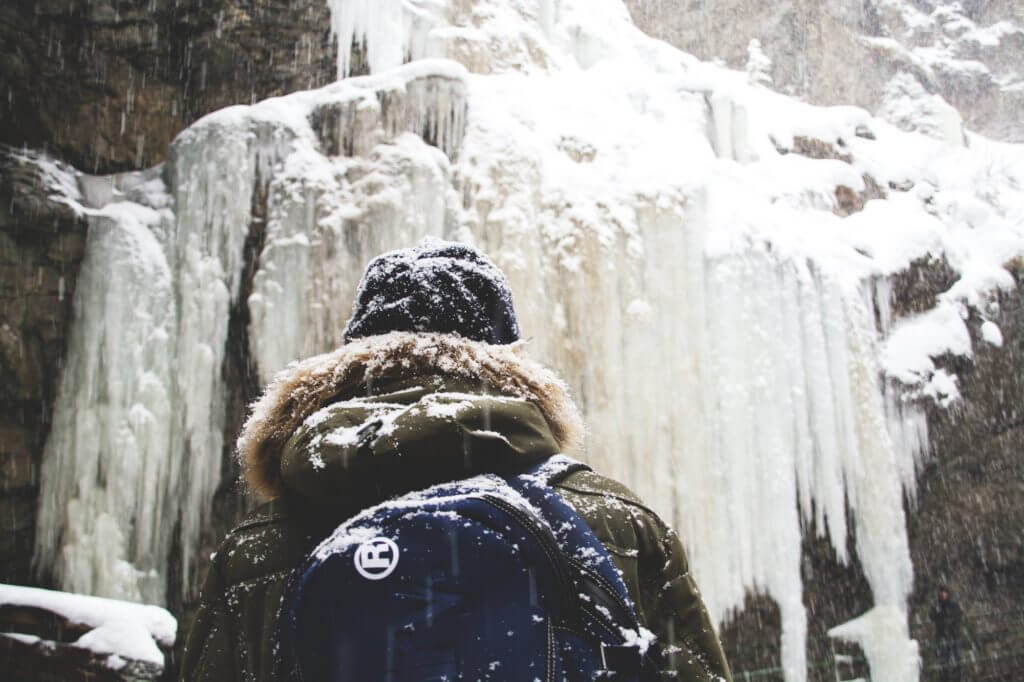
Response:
column 430, row 386
column 947, row 617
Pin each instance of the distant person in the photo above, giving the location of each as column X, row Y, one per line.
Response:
column 947, row 617
column 430, row 387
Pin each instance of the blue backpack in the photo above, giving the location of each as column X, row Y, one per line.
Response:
column 488, row 578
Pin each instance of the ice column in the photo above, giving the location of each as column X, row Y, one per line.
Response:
column 108, row 470
column 793, row 422
column 906, row 420
column 214, row 170
column 138, row 439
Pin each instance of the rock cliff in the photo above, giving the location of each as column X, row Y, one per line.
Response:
column 836, row 52
column 107, row 84
column 42, row 243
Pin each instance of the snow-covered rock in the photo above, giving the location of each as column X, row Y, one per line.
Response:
column 121, row 631
column 968, row 55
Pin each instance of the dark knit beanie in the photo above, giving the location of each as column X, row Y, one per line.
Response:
column 437, row 286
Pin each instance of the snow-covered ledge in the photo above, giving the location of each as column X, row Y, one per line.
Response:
column 118, row 635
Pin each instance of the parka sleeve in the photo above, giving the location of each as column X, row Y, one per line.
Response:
column 209, row 654
column 687, row 646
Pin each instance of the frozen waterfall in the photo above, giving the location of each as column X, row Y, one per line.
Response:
column 723, row 328
column 107, row 469
column 134, row 457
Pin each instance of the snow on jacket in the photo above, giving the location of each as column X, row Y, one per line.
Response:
column 418, row 409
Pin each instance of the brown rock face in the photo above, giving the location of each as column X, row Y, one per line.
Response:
column 42, row 243
column 967, row 529
column 107, row 84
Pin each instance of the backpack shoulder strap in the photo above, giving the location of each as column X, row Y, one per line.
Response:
column 600, row 587
column 575, row 538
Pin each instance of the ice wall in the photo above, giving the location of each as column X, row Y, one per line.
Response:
column 674, row 240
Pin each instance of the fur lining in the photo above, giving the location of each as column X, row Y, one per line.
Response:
column 309, row 385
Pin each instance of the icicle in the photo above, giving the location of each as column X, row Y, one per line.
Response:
column 749, row 387
column 547, row 11
column 436, row 108
column 883, row 634
column 373, row 26
column 329, row 215
column 386, row 33
column 212, row 171
column 906, row 420
column 138, row 443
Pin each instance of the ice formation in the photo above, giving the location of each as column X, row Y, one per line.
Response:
column 107, row 466
column 674, row 239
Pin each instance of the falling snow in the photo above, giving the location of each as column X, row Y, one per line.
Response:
column 724, row 322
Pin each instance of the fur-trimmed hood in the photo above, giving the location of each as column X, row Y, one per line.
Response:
column 360, row 367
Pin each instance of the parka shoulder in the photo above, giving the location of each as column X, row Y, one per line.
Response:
column 616, row 514
column 235, row 626
column 656, row 572
column 267, row 542
column 592, row 484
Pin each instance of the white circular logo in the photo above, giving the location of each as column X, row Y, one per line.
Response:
column 376, row 558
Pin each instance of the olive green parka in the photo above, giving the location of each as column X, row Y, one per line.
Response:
column 388, row 414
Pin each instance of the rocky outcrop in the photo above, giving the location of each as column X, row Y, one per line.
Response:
column 837, row 52
column 42, row 243
column 967, row 525
column 107, row 84
column 50, row 636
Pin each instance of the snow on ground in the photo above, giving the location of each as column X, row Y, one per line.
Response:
column 706, row 262
column 122, row 630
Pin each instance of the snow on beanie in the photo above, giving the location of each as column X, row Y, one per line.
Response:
column 437, row 286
